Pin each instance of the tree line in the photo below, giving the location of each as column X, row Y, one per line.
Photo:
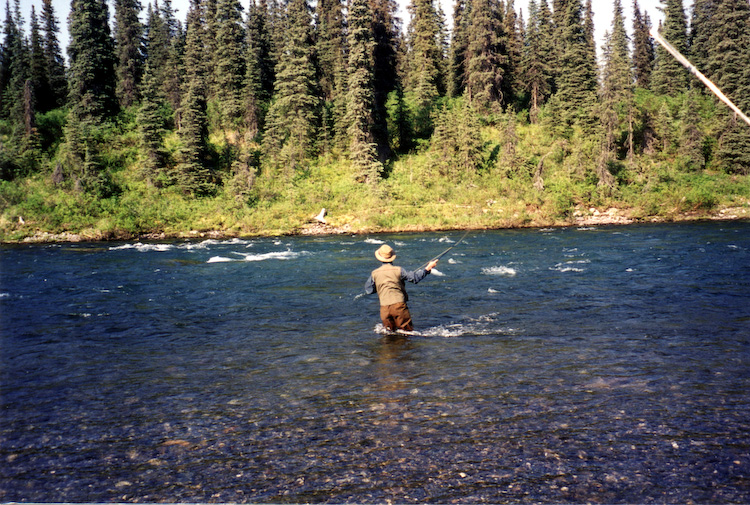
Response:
column 285, row 83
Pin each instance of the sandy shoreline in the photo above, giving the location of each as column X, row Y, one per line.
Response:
column 587, row 217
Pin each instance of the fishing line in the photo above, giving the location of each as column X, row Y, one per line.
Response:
column 447, row 250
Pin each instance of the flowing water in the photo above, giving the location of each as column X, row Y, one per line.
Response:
column 607, row 364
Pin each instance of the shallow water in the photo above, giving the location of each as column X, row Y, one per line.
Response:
column 606, row 365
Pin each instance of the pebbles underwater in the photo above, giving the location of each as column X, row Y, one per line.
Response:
column 597, row 365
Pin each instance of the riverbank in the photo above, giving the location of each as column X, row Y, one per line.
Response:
column 580, row 217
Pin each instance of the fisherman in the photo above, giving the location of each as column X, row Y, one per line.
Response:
column 388, row 282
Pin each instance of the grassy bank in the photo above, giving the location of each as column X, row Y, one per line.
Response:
column 537, row 183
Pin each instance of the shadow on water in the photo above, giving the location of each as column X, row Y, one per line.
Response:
column 603, row 365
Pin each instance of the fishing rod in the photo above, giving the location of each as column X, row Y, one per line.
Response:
column 686, row 63
column 447, row 250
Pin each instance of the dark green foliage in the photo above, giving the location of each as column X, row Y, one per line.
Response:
column 514, row 48
column 260, row 73
column 577, row 80
column 128, row 45
column 151, row 124
column 669, row 76
column 617, row 89
column 733, row 153
column 38, row 76
column 456, row 144
column 91, row 98
column 385, row 31
column 92, row 61
column 293, row 118
column 360, row 99
column 331, row 50
column 487, row 60
column 424, row 78
column 163, row 46
column 538, row 57
column 701, row 28
column 643, row 48
column 15, row 68
column 55, row 64
column 193, row 174
column 729, row 54
column 458, row 47
column 230, row 61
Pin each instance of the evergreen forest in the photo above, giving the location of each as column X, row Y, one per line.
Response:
column 246, row 123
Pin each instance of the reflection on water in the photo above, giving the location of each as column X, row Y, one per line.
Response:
column 605, row 365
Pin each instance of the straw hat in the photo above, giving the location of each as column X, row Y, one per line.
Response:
column 385, row 254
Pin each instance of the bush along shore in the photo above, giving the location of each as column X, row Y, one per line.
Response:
column 521, row 177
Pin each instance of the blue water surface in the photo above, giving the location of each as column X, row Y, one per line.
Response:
column 597, row 365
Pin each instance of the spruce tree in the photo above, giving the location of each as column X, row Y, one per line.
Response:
column 360, row 97
column 92, row 61
column 293, row 118
column 230, row 60
column 669, row 76
column 193, row 173
column 151, row 126
column 456, row 145
column 457, row 51
column 730, row 55
column 577, row 81
column 260, row 61
column 616, row 95
column 643, row 48
column 14, row 65
column 331, row 47
column 487, row 61
column 91, row 97
column 424, row 78
column 57, row 80
column 388, row 43
column 332, row 51
column 38, row 76
column 538, row 57
column 514, row 48
column 163, row 46
column 260, row 73
column 129, row 49
column 701, row 27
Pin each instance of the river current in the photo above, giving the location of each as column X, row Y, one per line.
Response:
column 588, row 365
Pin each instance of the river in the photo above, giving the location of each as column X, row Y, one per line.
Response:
column 572, row 365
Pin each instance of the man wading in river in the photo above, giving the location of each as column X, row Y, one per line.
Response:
column 388, row 282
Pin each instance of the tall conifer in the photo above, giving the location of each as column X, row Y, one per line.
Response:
column 643, row 48
column 487, row 62
column 457, row 51
column 425, row 61
column 669, row 76
column 193, row 173
column 515, row 45
column 388, row 43
column 230, row 61
column 151, row 125
column 91, row 97
column 92, row 61
column 616, row 94
column 55, row 62
column 360, row 96
column 293, row 118
column 38, row 74
column 332, row 54
column 730, row 55
column 129, row 49
column 538, row 57
column 577, row 81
